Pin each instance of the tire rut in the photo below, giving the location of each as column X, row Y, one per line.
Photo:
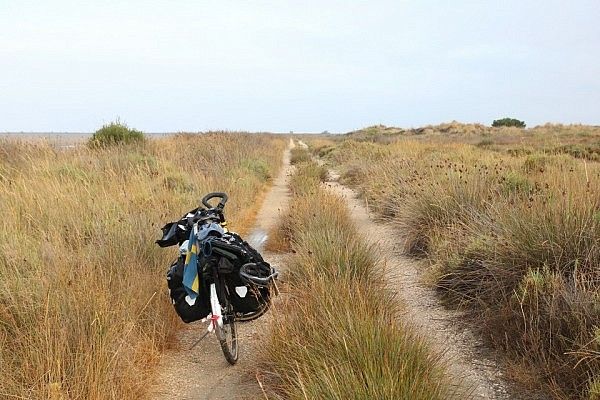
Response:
column 476, row 369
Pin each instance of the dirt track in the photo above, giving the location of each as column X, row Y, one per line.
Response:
column 202, row 373
column 477, row 373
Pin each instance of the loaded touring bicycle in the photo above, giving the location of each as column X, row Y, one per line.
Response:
column 218, row 276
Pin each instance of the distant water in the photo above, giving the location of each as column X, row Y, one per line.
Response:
column 67, row 134
column 62, row 139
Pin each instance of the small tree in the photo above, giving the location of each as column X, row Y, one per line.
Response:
column 115, row 133
column 508, row 122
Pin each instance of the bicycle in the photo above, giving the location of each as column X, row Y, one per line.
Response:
column 206, row 226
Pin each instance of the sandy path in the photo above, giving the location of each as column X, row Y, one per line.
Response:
column 476, row 370
column 202, row 373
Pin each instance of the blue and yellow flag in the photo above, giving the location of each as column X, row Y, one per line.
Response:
column 191, row 279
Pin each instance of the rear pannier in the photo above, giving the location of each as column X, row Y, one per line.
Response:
column 188, row 310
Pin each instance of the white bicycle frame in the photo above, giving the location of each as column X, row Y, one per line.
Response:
column 215, row 317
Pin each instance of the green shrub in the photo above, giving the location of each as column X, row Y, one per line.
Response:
column 115, row 133
column 258, row 167
column 508, row 122
column 588, row 152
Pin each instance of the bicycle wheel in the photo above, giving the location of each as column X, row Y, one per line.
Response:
column 227, row 333
column 251, row 316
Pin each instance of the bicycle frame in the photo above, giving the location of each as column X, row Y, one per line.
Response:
column 216, row 317
column 223, row 326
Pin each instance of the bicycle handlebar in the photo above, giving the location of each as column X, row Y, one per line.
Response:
column 220, row 195
column 257, row 280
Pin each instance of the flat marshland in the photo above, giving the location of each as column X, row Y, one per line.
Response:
column 84, row 310
column 508, row 221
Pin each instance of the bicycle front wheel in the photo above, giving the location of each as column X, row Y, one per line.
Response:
column 227, row 333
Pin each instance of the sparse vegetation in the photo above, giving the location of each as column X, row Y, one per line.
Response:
column 512, row 237
column 338, row 335
column 84, row 309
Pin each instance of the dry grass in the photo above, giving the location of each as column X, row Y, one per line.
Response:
column 320, row 146
column 281, row 235
column 458, row 130
column 579, row 141
column 337, row 336
column 83, row 305
column 298, row 155
column 512, row 238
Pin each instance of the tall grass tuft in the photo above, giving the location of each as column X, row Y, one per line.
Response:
column 84, row 310
column 299, row 155
column 337, row 336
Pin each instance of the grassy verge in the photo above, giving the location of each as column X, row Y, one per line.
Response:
column 83, row 305
column 337, row 336
column 512, row 237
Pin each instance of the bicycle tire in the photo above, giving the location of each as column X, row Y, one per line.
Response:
column 246, row 317
column 227, row 334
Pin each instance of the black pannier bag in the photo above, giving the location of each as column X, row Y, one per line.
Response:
column 247, row 299
column 188, row 313
column 235, row 252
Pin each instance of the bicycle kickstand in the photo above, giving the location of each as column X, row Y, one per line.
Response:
column 209, row 330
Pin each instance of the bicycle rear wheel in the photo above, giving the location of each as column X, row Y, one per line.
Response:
column 227, row 333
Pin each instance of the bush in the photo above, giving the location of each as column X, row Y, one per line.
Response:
column 508, row 122
column 258, row 167
column 115, row 133
column 299, row 155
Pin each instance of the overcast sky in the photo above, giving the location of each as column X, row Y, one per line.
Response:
column 296, row 65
